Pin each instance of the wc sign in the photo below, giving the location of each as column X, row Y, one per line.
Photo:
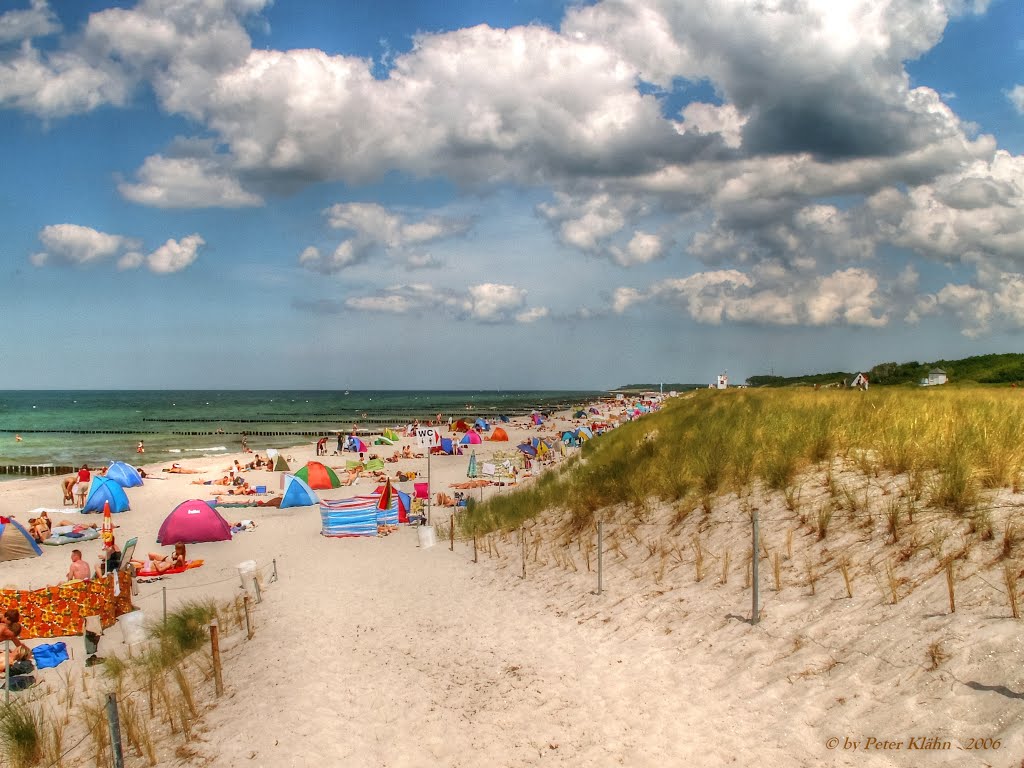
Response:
column 428, row 436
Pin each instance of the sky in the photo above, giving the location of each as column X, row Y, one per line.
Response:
column 503, row 194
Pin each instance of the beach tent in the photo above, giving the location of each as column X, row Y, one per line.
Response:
column 15, row 541
column 297, row 493
column 569, row 438
column 193, row 521
column 471, row 438
column 595, row 411
column 318, row 476
column 390, row 434
column 536, row 418
column 482, row 423
column 102, row 490
column 353, row 443
column 383, row 441
column 280, row 465
column 527, row 449
column 503, row 418
column 123, row 474
column 580, row 415
column 499, row 434
column 461, row 426
column 447, row 446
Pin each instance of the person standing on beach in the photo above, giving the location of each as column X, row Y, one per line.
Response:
column 141, row 448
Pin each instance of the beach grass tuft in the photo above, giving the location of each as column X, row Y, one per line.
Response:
column 21, row 734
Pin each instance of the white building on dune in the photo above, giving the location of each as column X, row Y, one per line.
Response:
column 936, row 376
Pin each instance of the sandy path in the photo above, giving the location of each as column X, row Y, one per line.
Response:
column 418, row 660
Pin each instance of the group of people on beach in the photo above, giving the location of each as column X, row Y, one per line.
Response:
column 110, row 561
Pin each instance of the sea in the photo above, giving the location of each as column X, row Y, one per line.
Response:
column 69, row 428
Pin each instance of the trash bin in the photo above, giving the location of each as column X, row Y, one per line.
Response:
column 247, row 572
column 427, row 537
column 133, row 627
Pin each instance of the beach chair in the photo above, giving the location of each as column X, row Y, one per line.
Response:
column 127, row 552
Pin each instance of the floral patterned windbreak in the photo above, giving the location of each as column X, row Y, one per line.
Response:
column 61, row 611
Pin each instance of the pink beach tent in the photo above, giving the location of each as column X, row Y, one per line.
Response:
column 193, row 521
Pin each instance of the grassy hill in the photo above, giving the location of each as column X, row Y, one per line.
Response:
column 982, row 369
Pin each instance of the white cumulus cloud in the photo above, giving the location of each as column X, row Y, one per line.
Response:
column 175, row 255
column 168, row 182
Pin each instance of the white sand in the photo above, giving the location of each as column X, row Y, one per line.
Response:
column 375, row 652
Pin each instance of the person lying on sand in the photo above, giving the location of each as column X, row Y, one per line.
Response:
column 394, row 457
column 226, row 480
column 177, row 469
column 163, row 563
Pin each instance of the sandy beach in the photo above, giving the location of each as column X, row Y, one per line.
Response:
column 375, row 651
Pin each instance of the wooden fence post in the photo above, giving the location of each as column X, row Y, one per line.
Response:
column 218, row 681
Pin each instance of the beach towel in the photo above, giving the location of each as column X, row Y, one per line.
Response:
column 375, row 465
column 50, row 655
column 154, row 573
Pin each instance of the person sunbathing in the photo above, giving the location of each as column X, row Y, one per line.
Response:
column 40, row 532
column 394, row 457
column 226, row 480
column 163, row 563
column 177, row 469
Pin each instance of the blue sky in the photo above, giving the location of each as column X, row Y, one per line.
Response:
column 245, row 194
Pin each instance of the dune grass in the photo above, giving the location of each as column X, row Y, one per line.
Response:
column 953, row 445
column 21, row 734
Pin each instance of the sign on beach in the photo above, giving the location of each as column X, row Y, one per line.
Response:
column 428, row 436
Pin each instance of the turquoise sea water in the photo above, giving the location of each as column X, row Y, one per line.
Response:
column 72, row 427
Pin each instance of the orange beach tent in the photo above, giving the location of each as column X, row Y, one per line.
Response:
column 499, row 434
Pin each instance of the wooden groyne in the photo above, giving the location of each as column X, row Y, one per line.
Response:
column 31, row 470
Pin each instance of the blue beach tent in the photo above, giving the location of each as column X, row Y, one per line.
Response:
column 297, row 493
column 102, row 490
column 123, row 474
column 482, row 423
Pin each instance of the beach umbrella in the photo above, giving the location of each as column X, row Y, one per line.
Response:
column 385, row 496
column 107, row 529
column 471, row 470
column 527, row 449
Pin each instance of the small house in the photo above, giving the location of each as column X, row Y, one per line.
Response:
column 723, row 381
column 860, row 381
column 936, row 376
